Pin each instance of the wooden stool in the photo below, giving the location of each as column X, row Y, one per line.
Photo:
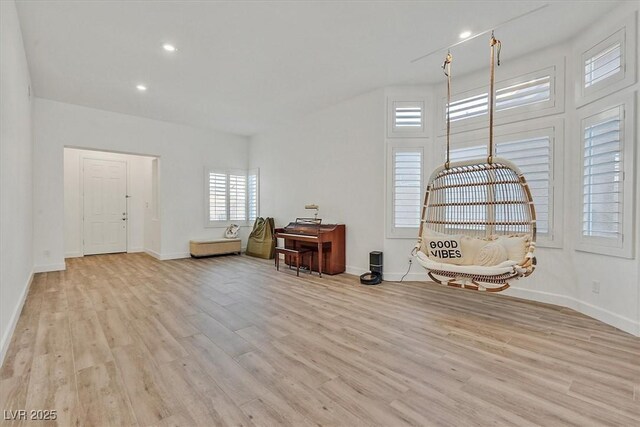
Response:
column 297, row 255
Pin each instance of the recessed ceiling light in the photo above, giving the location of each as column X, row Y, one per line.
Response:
column 465, row 34
column 169, row 47
column 141, row 88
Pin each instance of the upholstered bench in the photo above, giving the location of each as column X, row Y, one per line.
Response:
column 208, row 247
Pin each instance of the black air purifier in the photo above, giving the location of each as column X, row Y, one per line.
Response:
column 374, row 277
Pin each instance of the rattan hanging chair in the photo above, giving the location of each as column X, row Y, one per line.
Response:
column 484, row 200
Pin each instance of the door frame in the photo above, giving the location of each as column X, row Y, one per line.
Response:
column 82, row 159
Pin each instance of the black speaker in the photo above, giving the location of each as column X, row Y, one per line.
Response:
column 375, row 264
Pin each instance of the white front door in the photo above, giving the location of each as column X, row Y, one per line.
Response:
column 105, row 206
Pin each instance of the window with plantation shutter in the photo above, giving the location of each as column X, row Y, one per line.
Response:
column 603, row 175
column 408, row 116
column 467, row 108
column 607, row 61
column 252, row 189
column 231, row 196
column 603, row 64
column 237, row 197
column 468, row 153
column 533, row 156
column 607, row 165
column 517, row 95
column 521, row 97
column 407, row 187
column 217, row 196
column 522, row 94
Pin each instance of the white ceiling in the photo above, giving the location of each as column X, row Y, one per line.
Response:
column 246, row 67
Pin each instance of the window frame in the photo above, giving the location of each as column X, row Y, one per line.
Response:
column 395, row 100
column 554, row 129
column 393, row 232
column 625, row 34
column 208, row 223
column 624, row 248
column 555, row 69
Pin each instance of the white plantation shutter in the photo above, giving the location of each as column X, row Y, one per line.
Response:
column 217, row 196
column 407, row 187
column 468, row 153
column 521, row 94
column 603, row 176
column 533, row 157
column 252, row 204
column 237, row 197
column 231, row 196
column 468, row 107
column 408, row 116
column 532, row 91
column 602, row 65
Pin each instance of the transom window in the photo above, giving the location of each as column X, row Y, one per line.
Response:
column 533, row 90
column 602, row 65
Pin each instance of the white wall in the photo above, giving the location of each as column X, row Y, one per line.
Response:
column 183, row 151
column 152, row 210
column 565, row 275
column 139, row 200
column 334, row 158
column 16, row 185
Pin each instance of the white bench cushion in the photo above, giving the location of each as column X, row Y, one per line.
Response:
column 481, row 270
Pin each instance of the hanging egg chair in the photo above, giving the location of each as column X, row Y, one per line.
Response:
column 478, row 227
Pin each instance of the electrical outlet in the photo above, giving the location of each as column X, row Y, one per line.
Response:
column 595, row 287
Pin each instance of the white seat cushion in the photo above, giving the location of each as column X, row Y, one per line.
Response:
column 480, row 270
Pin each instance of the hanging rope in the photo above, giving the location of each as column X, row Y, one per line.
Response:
column 446, row 67
column 493, row 43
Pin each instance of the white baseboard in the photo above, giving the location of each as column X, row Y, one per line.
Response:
column 356, row 271
column 165, row 257
column 606, row 316
column 175, row 255
column 80, row 254
column 8, row 334
column 49, row 267
column 154, row 254
column 73, row 255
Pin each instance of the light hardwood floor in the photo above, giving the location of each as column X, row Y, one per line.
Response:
column 128, row 340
